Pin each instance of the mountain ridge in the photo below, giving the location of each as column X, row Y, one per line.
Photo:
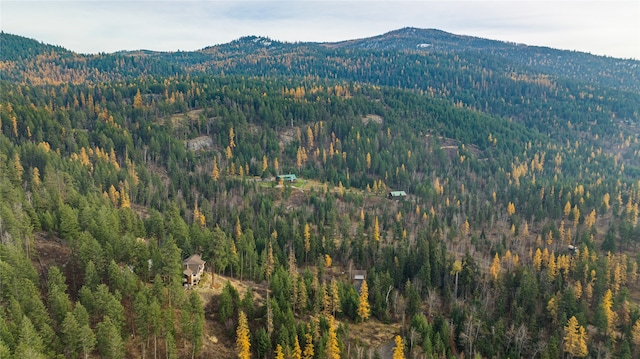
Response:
column 623, row 74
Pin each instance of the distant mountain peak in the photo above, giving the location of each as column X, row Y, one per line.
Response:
column 256, row 40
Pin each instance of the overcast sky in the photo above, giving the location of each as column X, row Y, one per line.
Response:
column 609, row 28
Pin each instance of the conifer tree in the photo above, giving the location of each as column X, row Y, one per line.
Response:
column 376, row 230
column 495, row 267
column 71, row 335
column 110, row 344
column 398, row 351
column 575, row 339
column 364, row 310
column 307, row 241
column 279, row 354
column 215, row 172
column 332, row 350
column 635, row 333
column 308, row 347
column 297, row 351
column 607, row 305
column 137, row 100
column 335, row 297
column 243, row 346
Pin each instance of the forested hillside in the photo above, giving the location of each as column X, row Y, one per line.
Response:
column 517, row 235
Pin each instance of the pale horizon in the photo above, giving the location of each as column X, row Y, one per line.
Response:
column 607, row 28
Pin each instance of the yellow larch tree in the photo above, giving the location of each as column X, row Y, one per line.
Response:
column 243, row 345
column 577, row 288
column 398, row 351
column 308, row 347
column 364, row 311
column 576, row 216
column 327, row 261
column 332, row 350
column 114, row 196
column 567, row 209
column 495, row 267
column 18, row 166
column 125, row 202
column 307, row 240
column 588, row 291
column 606, row 198
column 335, row 297
column 279, row 354
column 635, row 333
column 36, row 177
column 310, row 137
column 297, row 351
column 511, row 209
column 232, row 136
column 551, row 267
column 590, row 220
column 376, row 230
column 575, row 339
column 215, row 172
column 537, row 260
column 137, row 100
column 612, row 317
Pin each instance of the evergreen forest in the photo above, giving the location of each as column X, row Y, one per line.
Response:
column 455, row 197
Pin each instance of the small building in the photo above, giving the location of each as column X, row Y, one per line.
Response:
column 358, row 276
column 287, row 178
column 397, row 194
column 193, row 270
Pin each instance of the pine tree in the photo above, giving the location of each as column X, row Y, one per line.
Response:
column 110, row 344
column 30, row 343
column 87, row 340
column 71, row 335
column 243, row 346
column 364, row 310
column 193, row 322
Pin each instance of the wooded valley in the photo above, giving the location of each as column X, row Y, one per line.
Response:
column 512, row 230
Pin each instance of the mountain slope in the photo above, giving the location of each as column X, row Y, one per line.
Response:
column 607, row 71
column 520, row 212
